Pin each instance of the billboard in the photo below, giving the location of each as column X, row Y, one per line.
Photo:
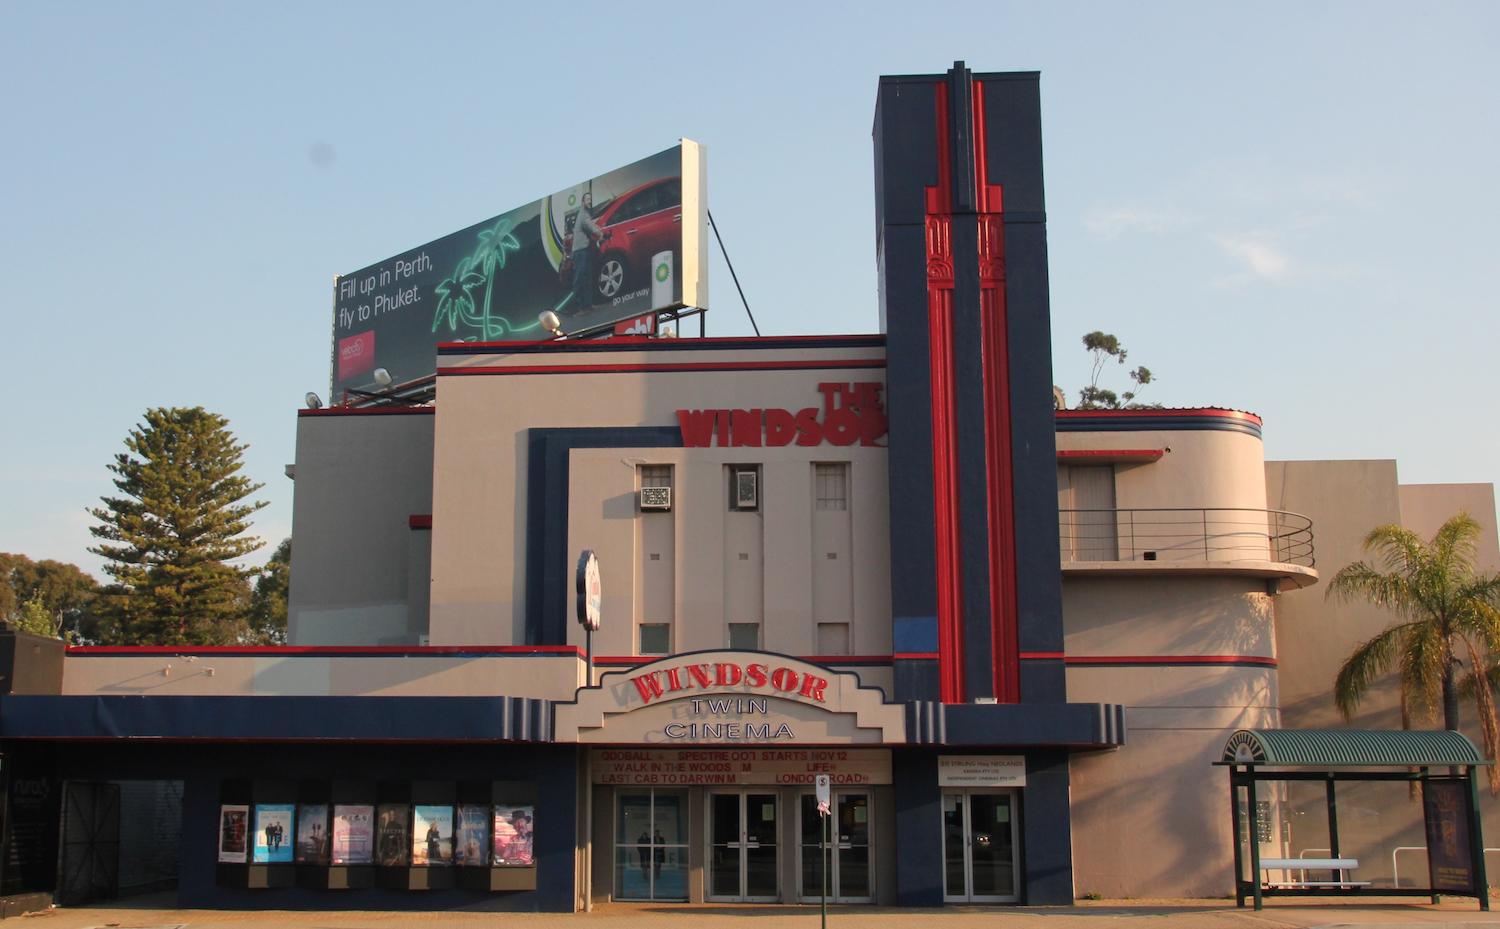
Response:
column 619, row 246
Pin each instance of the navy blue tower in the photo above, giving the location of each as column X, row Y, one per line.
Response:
column 976, row 592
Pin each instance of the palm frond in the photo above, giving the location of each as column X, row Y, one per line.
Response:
column 1360, row 581
column 1455, row 543
column 1484, row 698
column 1400, row 549
column 1367, row 662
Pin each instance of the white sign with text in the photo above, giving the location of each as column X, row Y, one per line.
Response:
column 981, row 771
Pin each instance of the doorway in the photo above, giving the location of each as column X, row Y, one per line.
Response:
column 848, row 847
column 980, row 843
column 742, row 849
column 651, row 845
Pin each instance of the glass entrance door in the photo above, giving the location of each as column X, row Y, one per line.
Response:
column 848, row 849
column 980, row 838
column 651, row 851
column 742, row 860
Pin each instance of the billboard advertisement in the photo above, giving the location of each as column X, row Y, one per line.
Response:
column 1450, row 853
column 616, row 247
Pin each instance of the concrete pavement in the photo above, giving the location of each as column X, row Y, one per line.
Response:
column 155, row 913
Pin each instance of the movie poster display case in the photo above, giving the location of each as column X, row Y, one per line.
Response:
column 397, row 835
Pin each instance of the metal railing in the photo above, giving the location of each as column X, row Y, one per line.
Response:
column 1186, row 534
column 1396, row 874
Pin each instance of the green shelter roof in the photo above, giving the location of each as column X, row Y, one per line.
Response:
column 1332, row 748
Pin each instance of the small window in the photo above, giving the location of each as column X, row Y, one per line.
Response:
column 655, row 475
column 833, row 638
column 744, row 487
column 656, row 638
column 831, row 486
column 744, row 636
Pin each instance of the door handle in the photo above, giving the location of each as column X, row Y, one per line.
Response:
column 630, row 232
column 677, row 218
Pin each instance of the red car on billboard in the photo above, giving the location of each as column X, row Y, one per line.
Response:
column 638, row 224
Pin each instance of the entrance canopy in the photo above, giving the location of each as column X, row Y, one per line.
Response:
column 1336, row 748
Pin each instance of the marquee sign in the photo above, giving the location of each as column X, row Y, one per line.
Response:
column 698, row 767
column 851, row 414
column 741, row 699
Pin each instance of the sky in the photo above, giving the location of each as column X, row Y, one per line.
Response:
column 1288, row 208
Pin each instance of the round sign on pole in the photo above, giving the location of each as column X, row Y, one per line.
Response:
column 590, row 592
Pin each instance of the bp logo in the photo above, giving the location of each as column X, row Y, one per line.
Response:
column 663, row 271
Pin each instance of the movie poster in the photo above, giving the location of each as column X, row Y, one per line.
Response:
column 233, row 828
column 353, row 834
column 393, row 835
column 273, row 833
column 513, row 835
column 471, row 842
column 432, row 836
column 312, row 834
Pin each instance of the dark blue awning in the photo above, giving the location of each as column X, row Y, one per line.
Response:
column 277, row 719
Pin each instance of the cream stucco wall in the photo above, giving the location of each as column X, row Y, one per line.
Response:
column 1159, row 792
column 1346, row 499
column 480, row 479
column 778, row 558
column 358, row 570
column 542, row 677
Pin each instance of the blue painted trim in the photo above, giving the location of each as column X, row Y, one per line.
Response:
column 1159, row 424
column 276, row 719
column 914, row 634
column 547, row 560
column 1015, row 725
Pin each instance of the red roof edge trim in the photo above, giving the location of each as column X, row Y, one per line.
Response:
column 1165, row 412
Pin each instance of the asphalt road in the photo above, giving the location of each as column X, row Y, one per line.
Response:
column 154, row 913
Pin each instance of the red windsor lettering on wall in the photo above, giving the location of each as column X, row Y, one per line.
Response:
column 851, row 414
column 655, row 685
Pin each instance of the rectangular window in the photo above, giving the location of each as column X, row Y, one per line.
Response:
column 744, row 487
column 656, row 638
column 833, row 638
column 744, row 636
column 831, row 486
column 655, row 475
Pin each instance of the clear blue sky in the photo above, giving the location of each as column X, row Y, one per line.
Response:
column 1289, row 208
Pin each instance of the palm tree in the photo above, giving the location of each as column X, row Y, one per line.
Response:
column 1445, row 607
column 493, row 244
column 456, row 298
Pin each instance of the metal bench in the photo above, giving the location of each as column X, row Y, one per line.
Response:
column 1312, row 864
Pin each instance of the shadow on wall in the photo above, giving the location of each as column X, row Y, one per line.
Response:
column 1197, row 617
column 1158, row 823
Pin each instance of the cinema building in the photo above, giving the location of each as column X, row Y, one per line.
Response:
column 1014, row 638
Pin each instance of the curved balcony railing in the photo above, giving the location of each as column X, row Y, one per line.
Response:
column 1198, row 534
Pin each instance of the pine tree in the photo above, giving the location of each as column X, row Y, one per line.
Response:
column 268, row 602
column 179, row 523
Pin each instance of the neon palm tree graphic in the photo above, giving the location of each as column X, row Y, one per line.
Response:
column 456, row 298
column 493, row 244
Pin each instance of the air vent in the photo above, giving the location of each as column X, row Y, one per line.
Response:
column 747, row 489
column 656, row 498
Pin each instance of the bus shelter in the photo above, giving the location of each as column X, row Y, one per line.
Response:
column 1443, row 763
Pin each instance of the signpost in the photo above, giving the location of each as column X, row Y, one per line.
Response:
column 590, row 601
column 822, row 788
